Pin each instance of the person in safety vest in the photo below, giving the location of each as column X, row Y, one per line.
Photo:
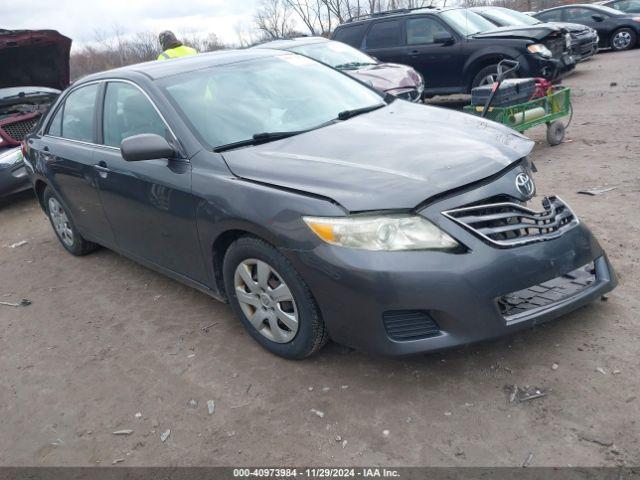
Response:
column 173, row 48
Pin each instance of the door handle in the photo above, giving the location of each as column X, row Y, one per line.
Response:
column 102, row 169
column 414, row 53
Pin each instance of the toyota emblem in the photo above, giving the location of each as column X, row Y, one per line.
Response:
column 525, row 185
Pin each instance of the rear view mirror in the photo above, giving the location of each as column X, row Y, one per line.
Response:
column 147, row 146
column 598, row 18
column 444, row 38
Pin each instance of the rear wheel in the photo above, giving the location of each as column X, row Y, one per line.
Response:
column 555, row 133
column 62, row 224
column 271, row 299
column 623, row 39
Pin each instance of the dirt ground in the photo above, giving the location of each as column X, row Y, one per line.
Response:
column 106, row 338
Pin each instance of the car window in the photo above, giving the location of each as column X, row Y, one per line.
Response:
column 351, row 35
column 385, row 34
column 550, row 16
column 128, row 112
column 55, row 127
column 285, row 93
column 422, row 30
column 336, row 54
column 578, row 14
column 627, row 5
column 75, row 119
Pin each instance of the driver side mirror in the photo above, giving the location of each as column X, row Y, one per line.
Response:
column 445, row 38
column 147, row 146
column 597, row 18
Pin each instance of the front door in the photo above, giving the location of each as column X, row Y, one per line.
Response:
column 148, row 203
column 440, row 64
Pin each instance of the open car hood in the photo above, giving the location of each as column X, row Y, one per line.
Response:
column 34, row 58
column 392, row 158
column 532, row 32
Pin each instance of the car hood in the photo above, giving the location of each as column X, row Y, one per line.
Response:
column 572, row 27
column 532, row 32
column 393, row 158
column 387, row 77
column 34, row 57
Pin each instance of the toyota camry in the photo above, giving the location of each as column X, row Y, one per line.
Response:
column 316, row 206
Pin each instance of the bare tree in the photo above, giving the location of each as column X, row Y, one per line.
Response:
column 273, row 19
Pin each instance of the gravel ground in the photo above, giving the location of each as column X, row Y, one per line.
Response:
column 105, row 339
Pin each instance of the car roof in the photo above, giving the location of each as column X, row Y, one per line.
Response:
column 572, row 5
column 166, row 68
column 286, row 43
column 399, row 13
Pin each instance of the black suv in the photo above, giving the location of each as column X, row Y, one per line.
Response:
column 456, row 49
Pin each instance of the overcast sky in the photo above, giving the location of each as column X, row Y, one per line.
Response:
column 80, row 19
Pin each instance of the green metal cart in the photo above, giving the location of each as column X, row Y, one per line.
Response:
column 523, row 116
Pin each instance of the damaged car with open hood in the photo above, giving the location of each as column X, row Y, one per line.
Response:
column 35, row 70
column 315, row 205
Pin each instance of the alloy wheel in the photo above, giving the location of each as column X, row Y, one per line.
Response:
column 488, row 80
column 266, row 300
column 60, row 222
column 622, row 40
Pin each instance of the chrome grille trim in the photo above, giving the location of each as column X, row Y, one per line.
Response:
column 508, row 224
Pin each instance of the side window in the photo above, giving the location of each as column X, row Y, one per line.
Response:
column 550, row 16
column 74, row 119
column 385, row 34
column 422, row 30
column 55, row 128
column 579, row 15
column 128, row 112
column 350, row 35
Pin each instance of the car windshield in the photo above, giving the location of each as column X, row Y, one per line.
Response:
column 467, row 22
column 505, row 16
column 607, row 10
column 232, row 103
column 335, row 54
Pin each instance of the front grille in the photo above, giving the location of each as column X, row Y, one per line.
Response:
column 18, row 130
column 405, row 325
column 557, row 46
column 510, row 224
column 410, row 95
column 523, row 302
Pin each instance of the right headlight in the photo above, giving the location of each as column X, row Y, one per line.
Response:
column 540, row 50
column 381, row 232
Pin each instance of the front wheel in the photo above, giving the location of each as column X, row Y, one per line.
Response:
column 62, row 224
column 271, row 299
column 623, row 39
column 487, row 76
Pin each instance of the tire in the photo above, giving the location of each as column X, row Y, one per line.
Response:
column 296, row 340
column 63, row 226
column 482, row 77
column 623, row 39
column 555, row 133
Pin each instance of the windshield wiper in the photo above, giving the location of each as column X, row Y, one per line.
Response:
column 25, row 94
column 353, row 65
column 258, row 138
column 347, row 114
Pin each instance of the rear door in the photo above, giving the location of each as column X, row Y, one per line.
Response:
column 148, row 203
column 440, row 65
column 385, row 41
column 68, row 154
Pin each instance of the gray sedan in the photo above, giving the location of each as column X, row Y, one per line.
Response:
column 13, row 175
column 316, row 206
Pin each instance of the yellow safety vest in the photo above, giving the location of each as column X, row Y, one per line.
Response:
column 181, row 51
